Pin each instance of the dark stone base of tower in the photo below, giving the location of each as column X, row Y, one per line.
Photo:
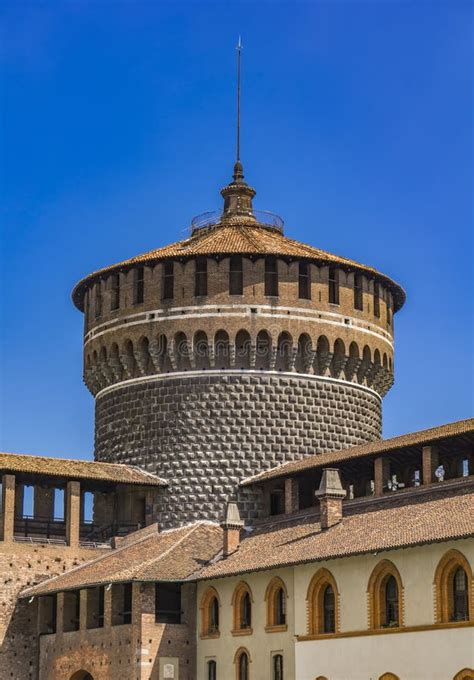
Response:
column 205, row 433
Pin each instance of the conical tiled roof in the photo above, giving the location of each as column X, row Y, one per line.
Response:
column 245, row 239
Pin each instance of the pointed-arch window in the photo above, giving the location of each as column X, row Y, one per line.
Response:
column 385, row 591
column 322, row 600
column 391, row 602
column 460, row 601
column 276, row 598
column 242, row 608
column 329, row 610
column 242, row 663
column 454, row 588
column 210, row 613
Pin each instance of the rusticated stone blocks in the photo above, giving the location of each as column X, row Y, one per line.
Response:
column 206, row 433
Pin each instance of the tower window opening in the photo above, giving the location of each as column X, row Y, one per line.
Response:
column 277, row 502
column 139, row 285
column 389, row 311
column 236, row 275
column 168, row 281
column 304, row 283
column 271, row 277
column 377, row 300
column 168, row 603
column 358, row 296
column 200, row 282
column 333, row 286
column 115, row 292
column 98, row 300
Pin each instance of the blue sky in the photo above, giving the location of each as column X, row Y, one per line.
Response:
column 118, row 127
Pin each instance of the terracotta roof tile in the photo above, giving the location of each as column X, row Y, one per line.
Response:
column 173, row 555
column 244, row 239
column 77, row 469
column 296, row 542
column 420, row 438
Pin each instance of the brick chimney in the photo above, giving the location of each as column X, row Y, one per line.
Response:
column 330, row 494
column 232, row 525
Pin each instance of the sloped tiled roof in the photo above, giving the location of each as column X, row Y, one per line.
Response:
column 420, row 438
column 77, row 469
column 299, row 541
column 239, row 239
column 173, row 555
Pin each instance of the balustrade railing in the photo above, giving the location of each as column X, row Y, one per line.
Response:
column 212, row 217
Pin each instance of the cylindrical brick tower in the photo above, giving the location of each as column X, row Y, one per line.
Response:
column 233, row 351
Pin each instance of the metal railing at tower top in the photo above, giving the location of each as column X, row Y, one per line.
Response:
column 213, row 217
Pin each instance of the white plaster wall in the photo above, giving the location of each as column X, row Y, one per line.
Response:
column 261, row 645
column 425, row 655
column 416, row 566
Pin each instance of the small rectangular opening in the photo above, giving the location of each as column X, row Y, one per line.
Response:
column 71, row 610
column 168, row 603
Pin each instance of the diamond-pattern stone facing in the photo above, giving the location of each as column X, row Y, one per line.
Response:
column 204, row 434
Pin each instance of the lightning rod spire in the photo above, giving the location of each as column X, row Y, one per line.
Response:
column 239, row 51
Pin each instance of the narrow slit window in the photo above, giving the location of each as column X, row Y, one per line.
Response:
column 358, row 297
column 389, row 311
column 271, row 277
column 115, row 292
column 98, row 300
column 127, row 602
column 333, row 286
column 304, row 284
column 168, row 281
column 236, row 275
column 139, row 287
column 200, row 285
column 377, row 300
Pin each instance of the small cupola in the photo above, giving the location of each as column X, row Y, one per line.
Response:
column 238, row 196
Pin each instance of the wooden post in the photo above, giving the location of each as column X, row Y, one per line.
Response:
column 291, row 495
column 8, row 507
column 430, row 463
column 381, row 474
column 73, row 513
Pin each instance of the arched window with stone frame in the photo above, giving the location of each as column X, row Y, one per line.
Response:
column 453, row 583
column 242, row 663
column 242, row 609
column 276, row 597
column 385, row 593
column 209, row 608
column 323, row 604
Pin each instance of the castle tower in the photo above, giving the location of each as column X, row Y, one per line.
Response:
column 232, row 351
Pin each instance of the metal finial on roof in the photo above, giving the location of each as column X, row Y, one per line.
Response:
column 239, row 51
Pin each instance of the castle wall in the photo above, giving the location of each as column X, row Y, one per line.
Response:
column 22, row 565
column 206, row 431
